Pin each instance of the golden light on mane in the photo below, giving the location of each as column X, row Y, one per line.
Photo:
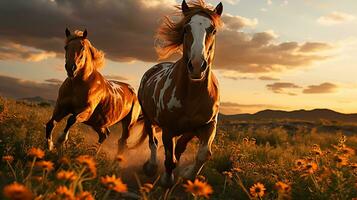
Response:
column 97, row 56
column 169, row 36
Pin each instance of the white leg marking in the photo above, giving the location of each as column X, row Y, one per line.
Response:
column 153, row 156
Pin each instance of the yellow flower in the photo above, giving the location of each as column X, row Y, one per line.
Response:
column 113, row 183
column 16, row 191
column 282, row 187
column 198, row 188
column 229, row 175
column 66, row 175
column 346, row 151
column 257, row 190
column 237, row 170
column 146, row 188
column 36, row 152
column 311, row 167
column 300, row 163
column 85, row 196
column 89, row 162
column 46, row 165
column 341, row 161
column 8, row 158
column 64, row 193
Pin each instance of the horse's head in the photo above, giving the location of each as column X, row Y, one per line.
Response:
column 75, row 52
column 199, row 39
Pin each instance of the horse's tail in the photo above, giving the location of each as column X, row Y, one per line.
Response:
column 143, row 133
column 138, row 122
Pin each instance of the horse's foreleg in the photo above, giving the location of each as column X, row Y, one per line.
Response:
column 64, row 136
column 150, row 167
column 103, row 133
column 182, row 144
column 206, row 135
column 167, row 178
column 49, row 127
column 80, row 117
column 57, row 116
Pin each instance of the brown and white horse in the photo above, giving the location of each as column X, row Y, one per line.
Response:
column 89, row 97
column 182, row 98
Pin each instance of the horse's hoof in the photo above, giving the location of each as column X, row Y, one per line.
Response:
column 167, row 180
column 150, row 169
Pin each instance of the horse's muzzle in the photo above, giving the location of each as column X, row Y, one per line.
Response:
column 197, row 70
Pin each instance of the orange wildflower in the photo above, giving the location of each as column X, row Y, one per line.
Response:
column 64, row 193
column 16, row 191
column 311, row 167
column 89, row 162
column 198, row 188
column 341, row 161
column 85, row 196
column 46, row 165
column 257, row 190
column 66, row 175
column 282, row 187
column 8, row 158
column 113, row 183
column 36, row 152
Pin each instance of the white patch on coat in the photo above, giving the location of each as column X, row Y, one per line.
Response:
column 198, row 24
column 173, row 102
column 164, row 73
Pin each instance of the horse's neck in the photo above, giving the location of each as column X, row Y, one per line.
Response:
column 85, row 72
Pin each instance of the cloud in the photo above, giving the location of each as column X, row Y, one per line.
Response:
column 237, row 22
column 280, row 87
column 268, row 78
column 13, row 51
column 125, row 31
column 335, row 18
column 234, row 108
column 19, row 88
column 54, row 81
column 321, row 89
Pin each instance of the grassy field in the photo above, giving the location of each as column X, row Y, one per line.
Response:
column 249, row 162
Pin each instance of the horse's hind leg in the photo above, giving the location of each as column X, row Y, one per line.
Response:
column 127, row 124
column 150, row 166
column 57, row 116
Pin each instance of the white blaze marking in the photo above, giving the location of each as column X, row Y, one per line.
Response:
column 198, row 24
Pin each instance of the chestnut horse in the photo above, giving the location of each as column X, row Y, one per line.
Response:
column 182, row 98
column 89, row 97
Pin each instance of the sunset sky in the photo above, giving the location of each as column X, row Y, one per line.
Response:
column 270, row 54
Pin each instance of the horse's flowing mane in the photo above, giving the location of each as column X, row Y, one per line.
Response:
column 169, row 36
column 97, row 55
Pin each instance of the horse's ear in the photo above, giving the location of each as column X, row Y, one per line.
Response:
column 68, row 33
column 184, row 7
column 219, row 9
column 85, row 33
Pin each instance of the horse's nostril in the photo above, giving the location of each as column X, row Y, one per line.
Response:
column 190, row 66
column 203, row 66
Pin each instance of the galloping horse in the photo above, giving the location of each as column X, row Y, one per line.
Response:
column 89, row 97
column 182, row 98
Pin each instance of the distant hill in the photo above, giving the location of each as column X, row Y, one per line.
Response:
column 306, row 115
column 38, row 100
